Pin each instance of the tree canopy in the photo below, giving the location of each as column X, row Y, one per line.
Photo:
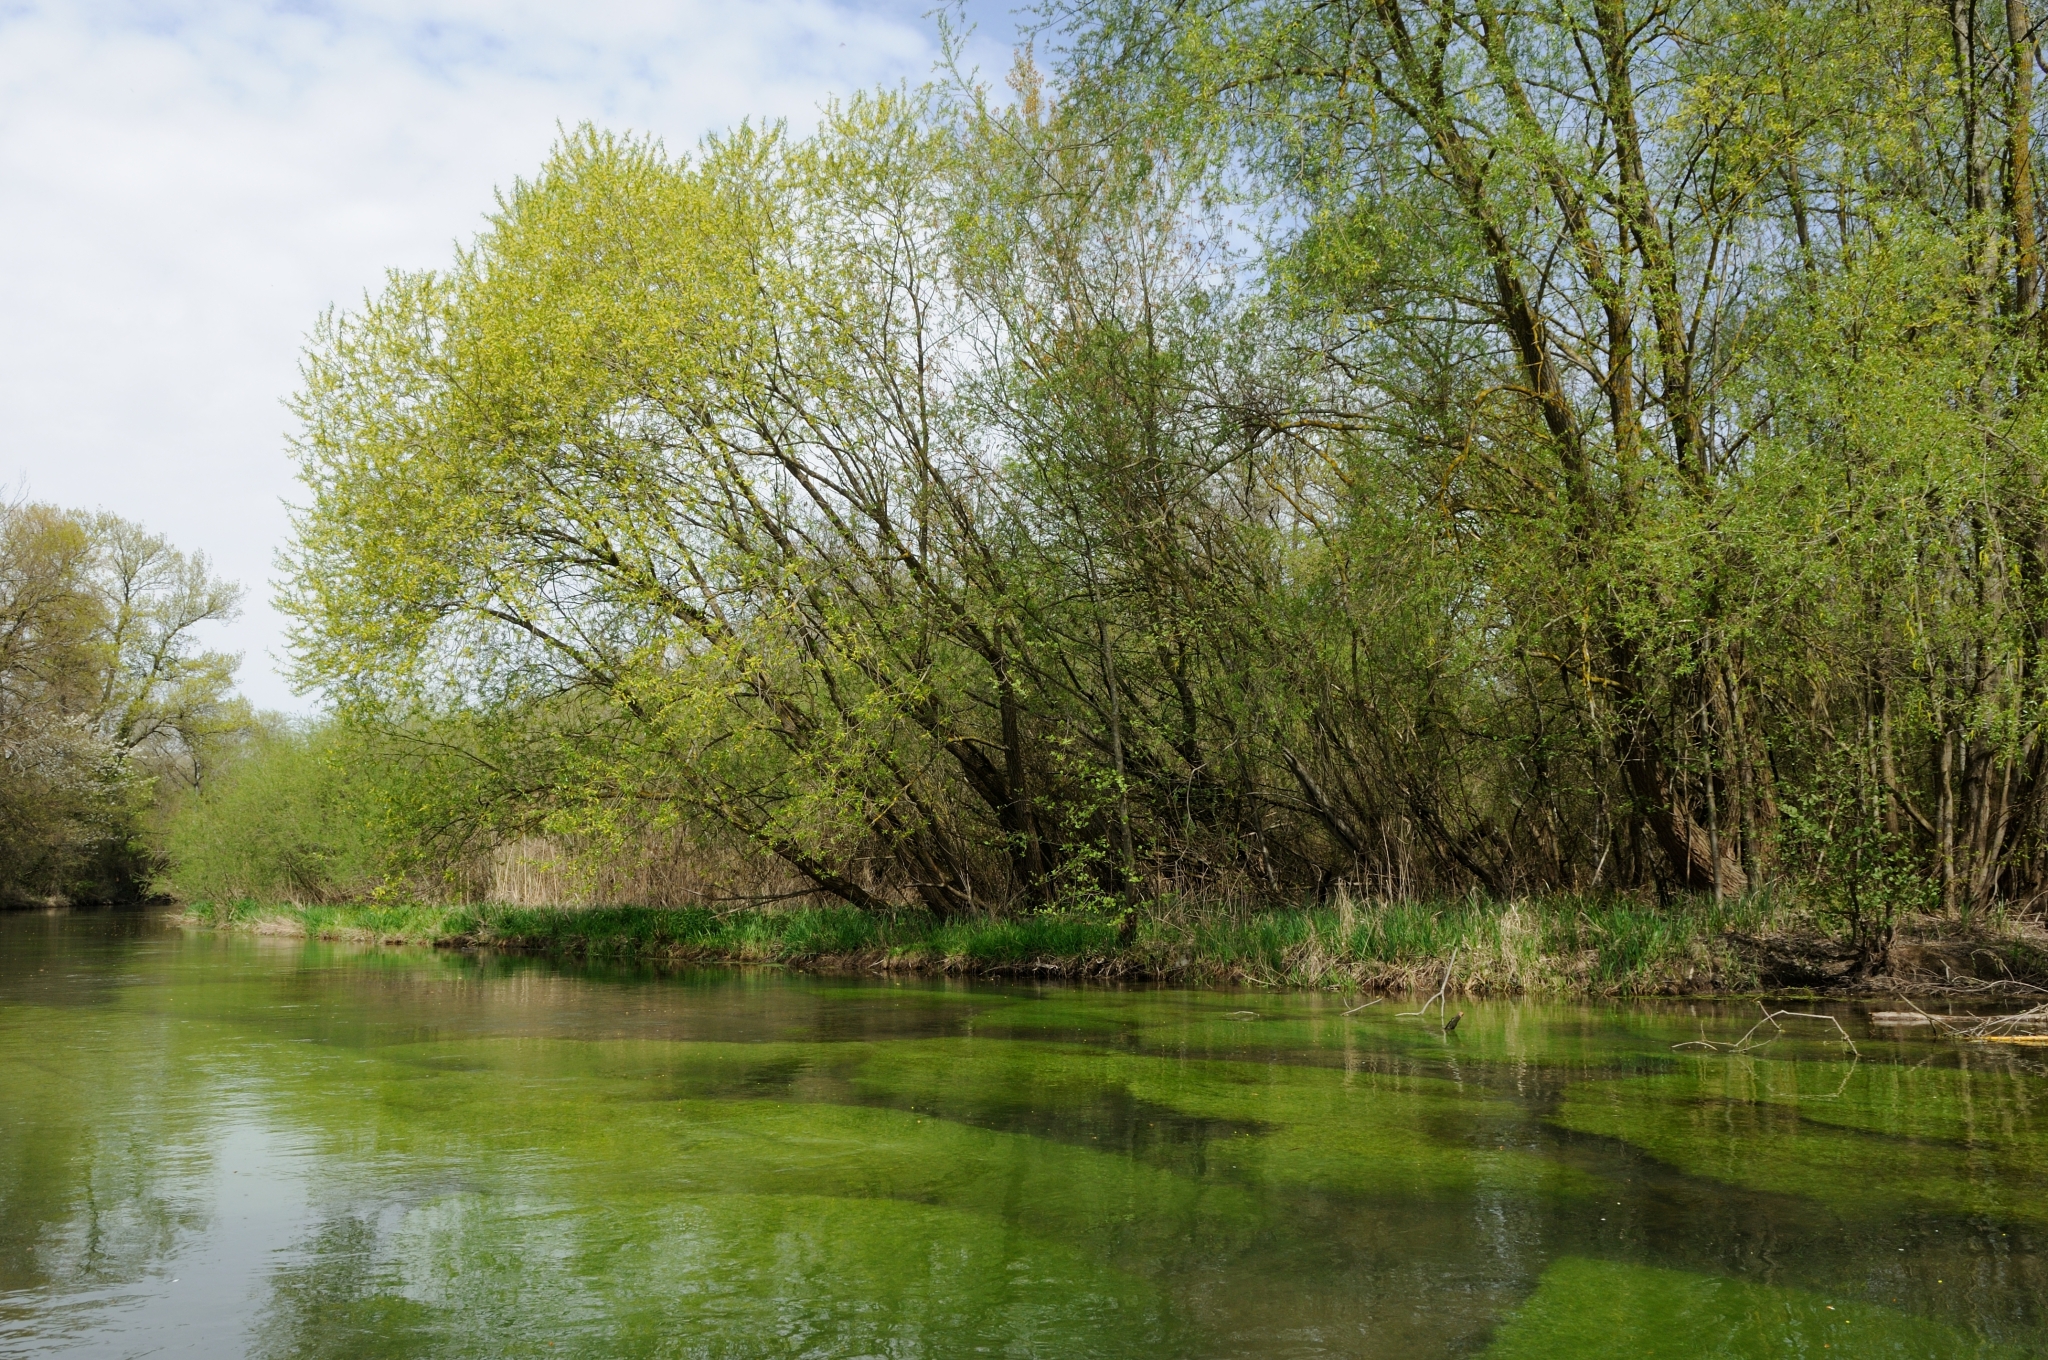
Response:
column 1420, row 444
column 105, row 694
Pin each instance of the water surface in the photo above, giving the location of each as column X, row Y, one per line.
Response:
column 220, row 1145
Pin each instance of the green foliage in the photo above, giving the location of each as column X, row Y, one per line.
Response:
column 1620, row 469
column 294, row 817
column 1714, row 360
column 107, row 701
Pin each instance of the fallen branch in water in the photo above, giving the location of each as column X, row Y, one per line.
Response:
column 1998, row 1027
column 1374, row 1002
column 1438, row 999
column 1941, row 1026
column 1771, row 1018
column 2004, row 1026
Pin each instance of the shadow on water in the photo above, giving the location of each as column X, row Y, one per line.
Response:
column 214, row 1144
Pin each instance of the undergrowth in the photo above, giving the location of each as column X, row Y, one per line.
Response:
column 1560, row 945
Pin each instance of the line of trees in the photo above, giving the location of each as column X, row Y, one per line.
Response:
column 1428, row 445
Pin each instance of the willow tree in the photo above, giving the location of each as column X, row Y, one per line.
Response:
column 1556, row 256
column 1618, row 465
column 677, row 464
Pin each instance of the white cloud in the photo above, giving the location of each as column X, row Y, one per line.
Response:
column 189, row 185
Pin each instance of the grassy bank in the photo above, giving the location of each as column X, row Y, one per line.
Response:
column 1556, row 946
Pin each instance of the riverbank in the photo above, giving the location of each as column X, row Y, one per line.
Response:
column 1554, row 946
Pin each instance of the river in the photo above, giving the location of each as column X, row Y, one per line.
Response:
column 217, row 1145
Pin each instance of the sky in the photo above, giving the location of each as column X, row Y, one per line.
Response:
column 185, row 187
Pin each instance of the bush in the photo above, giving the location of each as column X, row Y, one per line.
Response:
column 290, row 819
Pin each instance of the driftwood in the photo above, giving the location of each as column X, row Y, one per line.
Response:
column 1438, row 999
column 2002, row 1027
column 1955, row 984
column 1748, row 1043
column 1367, row 1005
column 1997, row 1028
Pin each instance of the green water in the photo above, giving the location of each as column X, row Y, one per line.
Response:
column 220, row 1145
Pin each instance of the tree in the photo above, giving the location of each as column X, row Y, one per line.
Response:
column 1429, row 446
column 1547, row 248
column 103, row 691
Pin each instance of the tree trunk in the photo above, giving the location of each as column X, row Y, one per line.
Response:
column 2019, row 159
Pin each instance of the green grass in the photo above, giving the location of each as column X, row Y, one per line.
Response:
column 1558, row 946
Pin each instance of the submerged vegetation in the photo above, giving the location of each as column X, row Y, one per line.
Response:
column 457, row 1153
